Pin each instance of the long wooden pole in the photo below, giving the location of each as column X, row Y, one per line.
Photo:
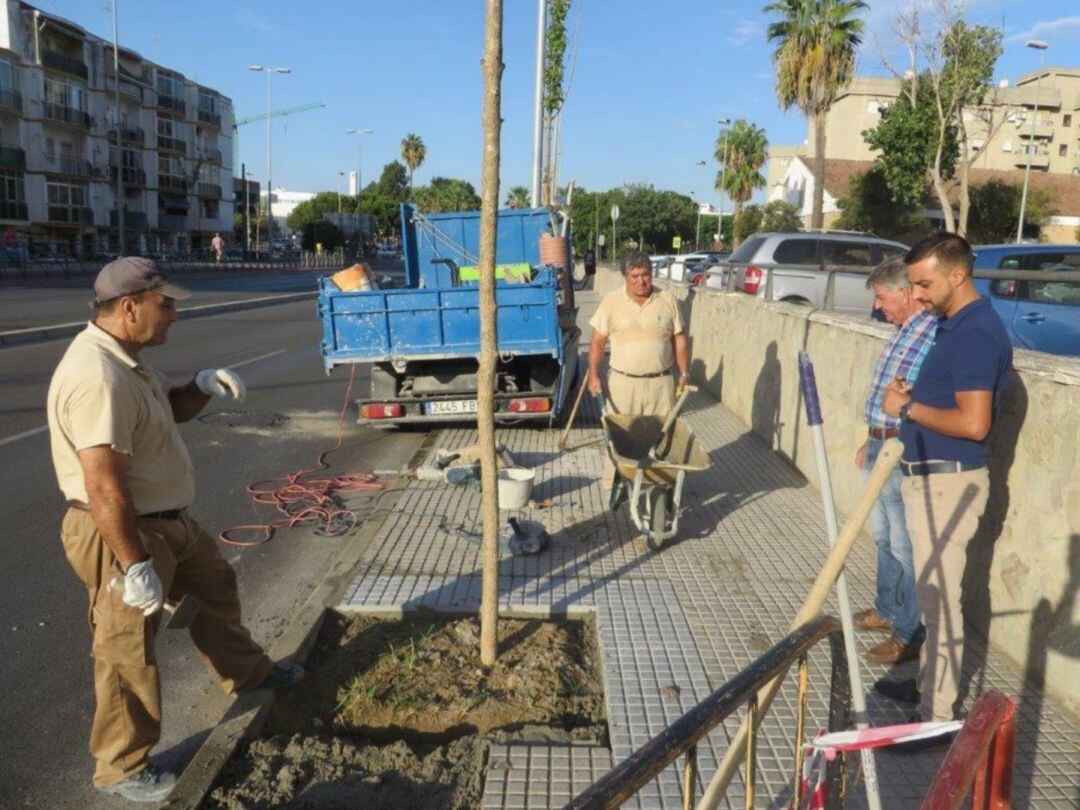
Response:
column 485, row 406
column 815, row 600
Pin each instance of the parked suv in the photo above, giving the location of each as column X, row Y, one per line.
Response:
column 1040, row 315
column 802, row 285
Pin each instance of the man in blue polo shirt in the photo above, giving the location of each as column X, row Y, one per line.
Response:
column 945, row 422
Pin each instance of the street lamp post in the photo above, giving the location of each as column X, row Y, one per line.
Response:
column 269, row 148
column 119, row 139
column 1040, row 46
column 724, row 122
column 701, row 197
column 340, row 189
column 359, row 133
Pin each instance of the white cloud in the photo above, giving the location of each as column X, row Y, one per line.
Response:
column 257, row 22
column 744, row 31
column 1050, row 29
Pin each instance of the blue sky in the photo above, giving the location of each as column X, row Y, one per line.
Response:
column 649, row 83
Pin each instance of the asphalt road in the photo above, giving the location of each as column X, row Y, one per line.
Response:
column 46, row 703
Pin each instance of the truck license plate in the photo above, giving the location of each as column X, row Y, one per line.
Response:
column 452, row 406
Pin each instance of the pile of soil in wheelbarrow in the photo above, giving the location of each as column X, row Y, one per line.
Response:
column 398, row 713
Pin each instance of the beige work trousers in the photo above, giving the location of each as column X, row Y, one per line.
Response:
column 942, row 512
column 127, row 688
column 649, row 396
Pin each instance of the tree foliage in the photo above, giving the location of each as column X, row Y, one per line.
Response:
column 555, row 56
column 322, row 233
column 995, row 210
column 907, row 140
column 648, row 216
column 741, row 151
column 325, row 202
column 518, row 197
column 778, row 216
column 413, row 153
column 871, row 207
column 747, row 221
column 446, row 194
column 394, row 182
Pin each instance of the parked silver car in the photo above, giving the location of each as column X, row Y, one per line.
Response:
column 757, row 256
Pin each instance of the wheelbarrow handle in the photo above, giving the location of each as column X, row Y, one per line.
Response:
column 671, row 417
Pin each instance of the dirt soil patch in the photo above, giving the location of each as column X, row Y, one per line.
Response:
column 397, row 713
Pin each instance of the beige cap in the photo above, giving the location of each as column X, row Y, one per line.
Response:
column 130, row 275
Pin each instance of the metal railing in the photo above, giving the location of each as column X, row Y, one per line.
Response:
column 682, row 736
column 68, row 64
column 171, row 103
column 169, row 182
column 72, row 166
column 210, row 190
column 132, row 175
column 980, row 761
column 11, row 99
column 728, row 273
column 13, row 157
column 172, row 144
column 209, row 117
column 68, row 115
column 71, row 214
column 128, row 132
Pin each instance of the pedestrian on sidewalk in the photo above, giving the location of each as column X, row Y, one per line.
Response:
column 895, row 609
column 128, row 479
column 945, row 424
column 645, row 330
column 217, row 245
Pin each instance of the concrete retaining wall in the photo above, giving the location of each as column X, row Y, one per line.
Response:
column 1023, row 575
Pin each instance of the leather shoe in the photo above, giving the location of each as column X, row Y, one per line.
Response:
column 906, row 691
column 872, row 620
column 892, row 651
column 149, row 785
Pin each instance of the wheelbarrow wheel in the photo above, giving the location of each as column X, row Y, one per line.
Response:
column 659, row 503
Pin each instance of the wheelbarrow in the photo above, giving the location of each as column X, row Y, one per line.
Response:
column 650, row 467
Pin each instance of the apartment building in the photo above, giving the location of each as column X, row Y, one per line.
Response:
column 65, row 145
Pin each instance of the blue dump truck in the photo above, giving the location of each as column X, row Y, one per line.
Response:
column 422, row 340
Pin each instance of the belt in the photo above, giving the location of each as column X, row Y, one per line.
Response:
column 921, row 468
column 884, row 433
column 643, row 376
column 165, row 514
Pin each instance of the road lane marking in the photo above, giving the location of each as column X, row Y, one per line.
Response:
column 26, row 434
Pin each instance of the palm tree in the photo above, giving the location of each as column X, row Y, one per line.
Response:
column 518, row 197
column 816, row 42
column 413, row 153
column 741, row 151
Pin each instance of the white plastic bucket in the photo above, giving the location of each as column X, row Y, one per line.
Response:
column 515, row 487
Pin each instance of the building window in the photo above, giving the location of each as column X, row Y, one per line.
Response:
column 168, row 86
column 1066, row 120
column 65, row 93
column 172, row 166
column 11, row 187
column 209, row 208
column 7, row 75
column 170, row 128
column 68, row 194
column 1006, row 145
column 209, row 174
column 1063, row 150
column 208, row 103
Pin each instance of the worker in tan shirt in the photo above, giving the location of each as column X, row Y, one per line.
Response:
column 128, row 479
column 645, row 330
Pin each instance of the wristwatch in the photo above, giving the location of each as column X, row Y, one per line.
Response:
column 905, row 412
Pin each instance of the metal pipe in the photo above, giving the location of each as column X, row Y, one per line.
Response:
column 858, row 696
column 538, row 102
column 119, row 137
column 800, row 727
column 1040, row 46
column 751, row 752
column 689, row 778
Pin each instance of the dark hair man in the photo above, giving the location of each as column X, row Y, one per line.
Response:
column 945, row 423
column 128, row 479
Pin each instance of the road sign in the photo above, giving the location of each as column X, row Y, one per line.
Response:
column 676, row 242
column 614, row 213
column 600, row 240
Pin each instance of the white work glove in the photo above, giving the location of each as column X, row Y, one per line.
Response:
column 142, row 588
column 220, row 382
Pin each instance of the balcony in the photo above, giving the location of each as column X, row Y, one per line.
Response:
column 210, row 155
column 169, row 144
column 71, row 215
column 209, row 190
column 10, row 99
column 55, row 60
column 1043, row 131
column 172, row 222
column 12, row 157
column 172, row 103
column 210, row 117
column 67, row 115
column 1039, row 160
column 168, row 182
column 129, row 134
column 133, row 176
column 72, row 166
column 132, row 219
column 129, row 89
column 11, row 209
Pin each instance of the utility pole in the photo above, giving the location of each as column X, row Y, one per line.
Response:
column 247, row 210
column 1040, row 46
column 119, row 138
column 359, row 133
column 269, row 149
column 538, row 102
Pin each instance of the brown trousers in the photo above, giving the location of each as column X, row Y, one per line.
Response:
column 127, row 687
column 651, row 396
column 942, row 513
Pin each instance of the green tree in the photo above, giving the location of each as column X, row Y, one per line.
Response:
column 778, row 216
column 907, row 139
column 394, row 182
column 995, row 210
column 446, row 194
column 325, row 202
column 870, row 206
column 746, row 222
column 741, row 151
column 814, row 58
column 322, row 232
column 518, row 197
column 554, row 92
column 413, row 153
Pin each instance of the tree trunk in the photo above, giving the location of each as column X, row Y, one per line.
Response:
column 817, row 216
column 940, row 190
column 485, row 410
column 962, row 167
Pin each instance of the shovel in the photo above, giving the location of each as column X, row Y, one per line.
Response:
column 181, row 615
column 670, row 421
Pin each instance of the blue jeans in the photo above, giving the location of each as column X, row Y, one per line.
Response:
column 895, row 599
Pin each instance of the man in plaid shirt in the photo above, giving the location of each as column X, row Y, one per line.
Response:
column 895, row 610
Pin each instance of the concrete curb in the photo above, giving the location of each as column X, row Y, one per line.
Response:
column 37, row 334
column 247, row 715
